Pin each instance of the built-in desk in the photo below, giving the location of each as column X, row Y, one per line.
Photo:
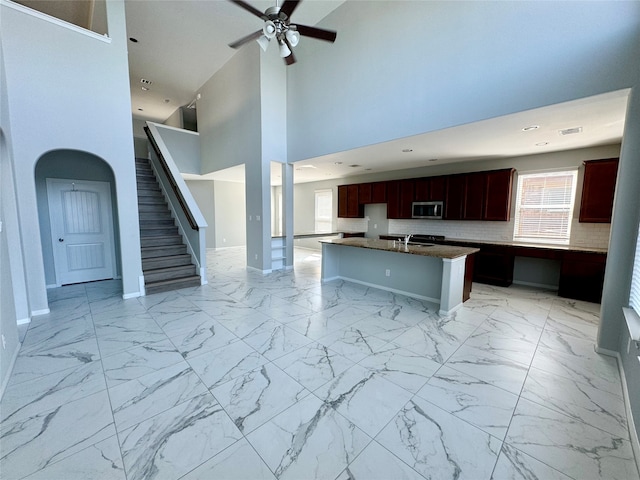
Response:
column 430, row 272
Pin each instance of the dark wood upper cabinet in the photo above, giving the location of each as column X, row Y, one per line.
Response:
column 364, row 193
column 497, row 204
column 375, row 192
column 598, row 190
column 430, row 189
column 437, row 189
column 474, row 196
column 379, row 192
column 422, row 189
column 348, row 205
column 454, row 200
column 400, row 195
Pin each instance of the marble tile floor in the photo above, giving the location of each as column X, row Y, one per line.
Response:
column 261, row 377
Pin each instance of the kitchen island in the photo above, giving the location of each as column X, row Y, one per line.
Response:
column 435, row 273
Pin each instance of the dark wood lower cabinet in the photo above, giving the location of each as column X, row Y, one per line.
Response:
column 494, row 266
column 468, row 276
column 582, row 276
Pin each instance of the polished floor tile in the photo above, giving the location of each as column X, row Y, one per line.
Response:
column 277, row 376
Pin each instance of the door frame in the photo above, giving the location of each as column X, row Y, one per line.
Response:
column 108, row 221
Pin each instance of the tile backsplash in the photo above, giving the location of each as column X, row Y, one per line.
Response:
column 594, row 235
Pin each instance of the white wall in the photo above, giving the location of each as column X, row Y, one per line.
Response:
column 48, row 68
column 184, row 147
column 230, row 214
column 202, row 191
column 451, row 63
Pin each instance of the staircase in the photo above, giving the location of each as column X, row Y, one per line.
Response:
column 165, row 262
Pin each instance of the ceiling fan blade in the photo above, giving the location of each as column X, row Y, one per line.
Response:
column 247, row 39
column 288, row 7
column 319, row 33
column 250, row 9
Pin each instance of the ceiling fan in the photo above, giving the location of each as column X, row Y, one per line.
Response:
column 277, row 24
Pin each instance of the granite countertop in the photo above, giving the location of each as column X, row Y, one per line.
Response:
column 314, row 234
column 430, row 250
column 507, row 243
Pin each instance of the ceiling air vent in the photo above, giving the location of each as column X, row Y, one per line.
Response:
column 570, row 131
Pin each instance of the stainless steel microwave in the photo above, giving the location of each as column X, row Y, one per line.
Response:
column 432, row 210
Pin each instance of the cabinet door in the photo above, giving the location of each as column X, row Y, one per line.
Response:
column 497, row 205
column 379, row 192
column 422, row 189
column 582, row 276
column 353, row 206
column 474, row 196
column 455, row 197
column 437, row 188
column 494, row 266
column 393, row 199
column 364, row 193
column 597, row 190
column 406, row 198
column 342, row 201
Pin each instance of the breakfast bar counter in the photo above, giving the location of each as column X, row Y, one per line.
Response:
column 430, row 272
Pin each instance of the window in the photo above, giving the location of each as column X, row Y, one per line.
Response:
column 544, row 207
column 324, row 210
column 634, row 298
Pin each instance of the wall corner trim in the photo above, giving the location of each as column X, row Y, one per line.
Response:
column 633, row 434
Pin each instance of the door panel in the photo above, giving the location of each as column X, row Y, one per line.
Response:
column 81, row 230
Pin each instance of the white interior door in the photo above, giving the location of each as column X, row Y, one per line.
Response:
column 81, row 230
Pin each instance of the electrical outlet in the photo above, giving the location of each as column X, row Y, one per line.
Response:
column 257, row 218
column 4, row 342
column 387, row 272
column 628, row 345
column 375, row 225
column 256, row 256
column 250, row 217
column 224, row 240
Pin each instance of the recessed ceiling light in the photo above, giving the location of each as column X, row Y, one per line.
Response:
column 368, row 169
column 305, row 166
column 542, row 144
column 530, row 127
column 166, row 100
column 140, row 110
column 134, row 40
column 432, row 160
column 337, row 163
column 355, row 165
column 407, row 150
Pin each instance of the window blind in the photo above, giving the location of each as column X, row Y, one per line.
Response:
column 544, row 207
column 634, row 298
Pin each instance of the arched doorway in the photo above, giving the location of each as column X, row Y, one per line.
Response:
column 77, row 212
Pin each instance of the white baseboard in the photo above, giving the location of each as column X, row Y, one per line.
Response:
column 633, row 434
column 263, row 272
column 23, row 321
column 53, row 285
column 44, row 311
column 127, row 296
column 5, row 380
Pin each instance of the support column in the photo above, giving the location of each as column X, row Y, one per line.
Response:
column 452, row 284
column 287, row 212
column 624, row 231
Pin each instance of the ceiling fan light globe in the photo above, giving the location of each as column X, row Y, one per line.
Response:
column 284, row 50
column 293, row 36
column 269, row 29
column 263, row 41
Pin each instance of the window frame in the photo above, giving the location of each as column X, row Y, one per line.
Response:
column 568, row 207
column 320, row 219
